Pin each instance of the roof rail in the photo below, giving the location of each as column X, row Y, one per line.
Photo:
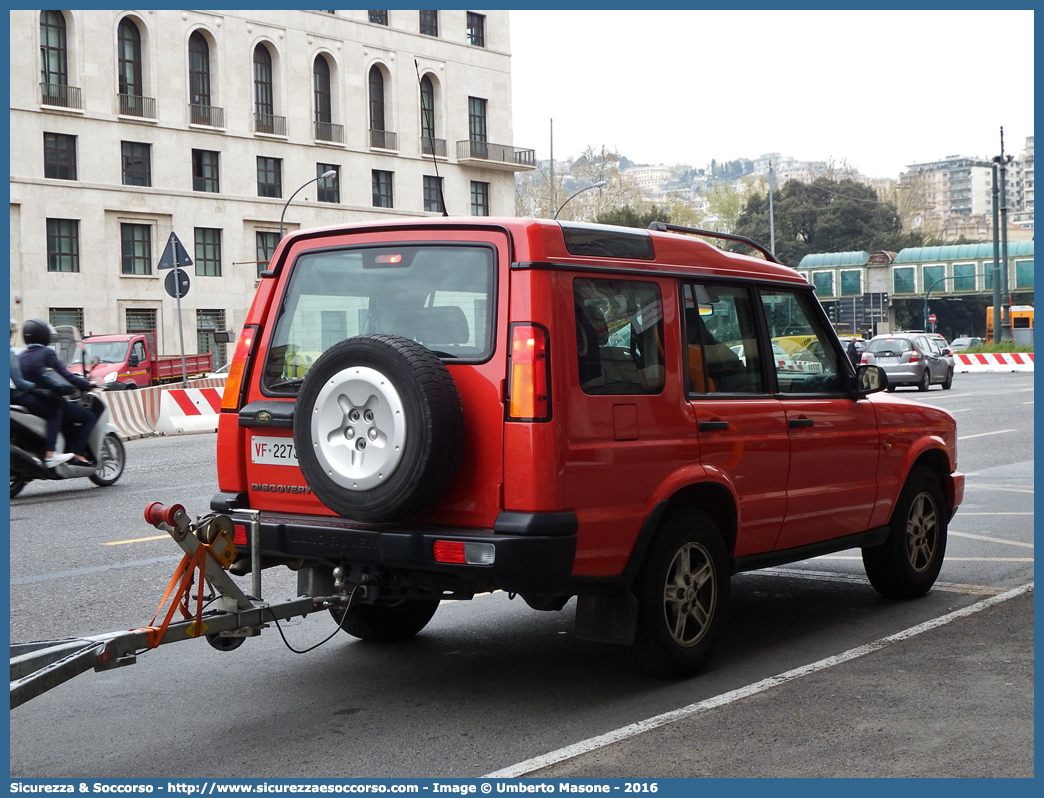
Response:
column 664, row 227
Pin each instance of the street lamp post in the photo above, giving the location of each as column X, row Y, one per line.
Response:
column 323, row 176
column 599, row 184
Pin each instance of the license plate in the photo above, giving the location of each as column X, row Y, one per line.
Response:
column 273, row 451
column 887, row 360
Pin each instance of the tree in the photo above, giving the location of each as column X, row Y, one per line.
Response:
column 823, row 216
column 533, row 195
column 725, row 204
column 630, row 216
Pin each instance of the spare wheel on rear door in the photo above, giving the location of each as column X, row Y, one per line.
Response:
column 378, row 428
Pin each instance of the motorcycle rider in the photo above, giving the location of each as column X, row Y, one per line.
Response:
column 36, row 357
column 28, row 395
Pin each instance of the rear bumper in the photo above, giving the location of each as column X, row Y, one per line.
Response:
column 534, row 557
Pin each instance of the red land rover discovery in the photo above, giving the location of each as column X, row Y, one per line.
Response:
column 428, row 409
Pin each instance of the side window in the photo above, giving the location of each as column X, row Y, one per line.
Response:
column 802, row 345
column 721, row 345
column 619, row 336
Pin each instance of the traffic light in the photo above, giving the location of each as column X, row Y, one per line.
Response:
column 834, row 315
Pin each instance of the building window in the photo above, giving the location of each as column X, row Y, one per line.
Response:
column 479, row 198
column 205, row 174
column 207, row 323
column 328, row 189
column 264, row 92
column 136, row 240
column 378, row 17
column 129, row 40
column 851, row 282
column 199, row 70
column 477, row 127
column 269, row 177
column 376, row 99
column 427, row 96
column 964, row 277
column 429, row 23
column 382, row 189
column 904, row 280
column 137, row 163
column 72, row 317
column 208, row 252
column 932, row 278
column 59, row 156
column 63, row 245
column 54, row 70
column 321, row 91
column 433, row 194
column 143, row 321
column 824, row 283
column 1024, row 274
column 266, row 245
column 476, row 29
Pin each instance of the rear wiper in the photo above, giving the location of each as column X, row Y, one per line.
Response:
column 287, row 383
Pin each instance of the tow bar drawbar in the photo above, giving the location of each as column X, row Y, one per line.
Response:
column 230, row 616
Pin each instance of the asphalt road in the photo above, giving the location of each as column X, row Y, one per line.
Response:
column 492, row 686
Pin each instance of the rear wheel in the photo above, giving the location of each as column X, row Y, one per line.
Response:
column 111, row 460
column 683, row 595
column 386, row 623
column 17, row 483
column 907, row 564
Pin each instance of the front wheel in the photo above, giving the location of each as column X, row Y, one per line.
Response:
column 111, row 460
column 926, row 380
column 683, row 596
column 948, row 382
column 907, row 564
column 386, row 623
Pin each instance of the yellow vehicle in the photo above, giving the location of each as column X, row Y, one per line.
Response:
column 1021, row 319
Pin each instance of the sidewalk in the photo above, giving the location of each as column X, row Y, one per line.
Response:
column 956, row 701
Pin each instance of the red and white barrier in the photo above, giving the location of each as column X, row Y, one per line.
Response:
column 993, row 361
column 184, row 410
column 134, row 413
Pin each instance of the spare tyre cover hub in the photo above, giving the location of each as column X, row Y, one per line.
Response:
column 358, row 428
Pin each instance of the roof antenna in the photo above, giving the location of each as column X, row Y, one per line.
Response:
column 431, row 139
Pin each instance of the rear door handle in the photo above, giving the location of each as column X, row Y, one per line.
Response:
column 801, row 422
column 706, row 426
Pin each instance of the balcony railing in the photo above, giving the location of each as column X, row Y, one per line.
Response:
column 135, row 105
column 61, row 96
column 432, row 146
column 495, row 156
column 271, row 124
column 209, row 115
column 327, row 131
column 384, row 140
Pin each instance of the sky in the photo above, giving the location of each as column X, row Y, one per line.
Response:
column 877, row 90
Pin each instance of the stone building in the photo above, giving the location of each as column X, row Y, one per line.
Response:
column 127, row 126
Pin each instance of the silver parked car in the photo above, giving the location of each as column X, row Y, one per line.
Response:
column 911, row 359
column 959, row 344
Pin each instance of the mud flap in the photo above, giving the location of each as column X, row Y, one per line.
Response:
column 607, row 619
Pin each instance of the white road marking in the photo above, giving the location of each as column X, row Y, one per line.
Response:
column 984, row 434
column 853, row 579
column 991, row 540
column 692, row 710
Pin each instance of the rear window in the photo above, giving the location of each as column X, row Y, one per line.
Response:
column 896, row 345
column 438, row 295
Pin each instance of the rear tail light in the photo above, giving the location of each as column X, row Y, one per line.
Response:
column 863, row 360
column 461, row 553
column 529, row 385
column 915, row 356
column 231, row 399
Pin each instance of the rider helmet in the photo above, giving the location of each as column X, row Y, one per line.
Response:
column 35, row 331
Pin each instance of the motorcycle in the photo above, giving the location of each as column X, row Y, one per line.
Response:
column 28, row 448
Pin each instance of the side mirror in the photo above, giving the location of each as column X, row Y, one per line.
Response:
column 133, row 361
column 871, row 379
column 947, row 352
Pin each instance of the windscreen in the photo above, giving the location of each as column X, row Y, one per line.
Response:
column 106, row 351
column 438, row 295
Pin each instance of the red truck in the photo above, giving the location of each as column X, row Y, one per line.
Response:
column 131, row 361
